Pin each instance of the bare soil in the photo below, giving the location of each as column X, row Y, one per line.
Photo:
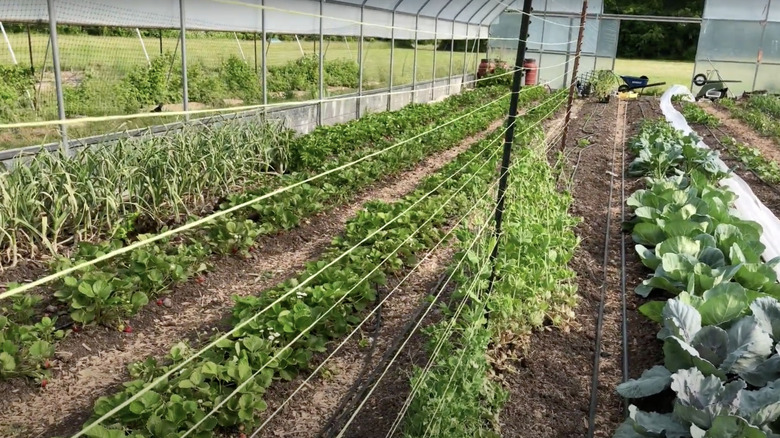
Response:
column 93, row 363
column 742, row 132
column 550, row 396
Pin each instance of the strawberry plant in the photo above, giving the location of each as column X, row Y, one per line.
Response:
column 317, row 309
column 26, row 346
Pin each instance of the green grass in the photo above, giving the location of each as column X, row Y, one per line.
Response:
column 109, row 59
column 671, row 72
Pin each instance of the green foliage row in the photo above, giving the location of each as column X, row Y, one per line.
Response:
column 720, row 329
column 769, row 105
column 757, row 119
column 695, row 114
column 767, row 169
column 279, row 332
column 457, row 397
column 110, row 291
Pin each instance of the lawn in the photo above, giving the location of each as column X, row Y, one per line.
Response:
column 109, row 59
column 671, row 72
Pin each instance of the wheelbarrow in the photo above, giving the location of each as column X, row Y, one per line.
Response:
column 631, row 83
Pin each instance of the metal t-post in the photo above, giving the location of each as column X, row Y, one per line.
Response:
column 55, row 56
column 185, row 94
column 321, row 66
column 573, row 85
column 510, row 134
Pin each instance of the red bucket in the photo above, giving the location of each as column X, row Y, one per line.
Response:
column 531, row 71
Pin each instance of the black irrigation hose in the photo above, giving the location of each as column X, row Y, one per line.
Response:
column 358, row 392
column 624, row 313
column 600, row 319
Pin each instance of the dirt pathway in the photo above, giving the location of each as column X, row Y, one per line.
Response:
column 550, row 396
column 94, row 364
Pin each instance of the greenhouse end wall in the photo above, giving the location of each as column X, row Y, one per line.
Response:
column 742, row 43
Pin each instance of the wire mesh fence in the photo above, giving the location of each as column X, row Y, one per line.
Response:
column 108, row 71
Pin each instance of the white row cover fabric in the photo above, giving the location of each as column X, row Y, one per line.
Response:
column 748, row 206
column 443, row 19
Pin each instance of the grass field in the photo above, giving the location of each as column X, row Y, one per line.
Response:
column 109, row 59
column 671, row 72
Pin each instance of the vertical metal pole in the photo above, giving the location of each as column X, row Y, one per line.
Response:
column 510, row 133
column 161, row 41
column 265, row 57
column 572, row 86
column 55, row 56
column 760, row 57
column 184, row 91
column 466, row 54
column 254, row 40
column 359, row 100
column 392, row 63
column 322, row 66
column 435, row 49
column 29, row 47
column 568, row 56
column 452, row 57
column 414, row 62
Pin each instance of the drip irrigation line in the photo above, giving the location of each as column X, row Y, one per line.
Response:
column 600, row 319
column 623, row 310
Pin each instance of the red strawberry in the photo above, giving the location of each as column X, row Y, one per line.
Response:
column 128, row 329
column 235, row 250
column 242, row 435
column 159, row 302
column 44, row 382
column 47, row 364
column 76, row 329
column 200, row 279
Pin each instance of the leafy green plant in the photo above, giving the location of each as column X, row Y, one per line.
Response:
column 346, row 284
column 603, row 84
column 767, row 169
column 769, row 105
column 695, row 114
column 763, row 123
column 26, row 346
column 720, row 332
column 661, row 150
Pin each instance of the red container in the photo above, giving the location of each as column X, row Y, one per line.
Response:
column 531, row 71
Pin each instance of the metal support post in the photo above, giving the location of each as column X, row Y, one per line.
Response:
column 452, row 56
column 392, row 62
column 414, row 62
column 254, row 41
column 359, row 101
column 465, row 55
column 321, row 66
column 264, row 76
column 510, row 134
column 760, row 58
column 55, row 56
column 161, row 41
column 185, row 94
column 143, row 46
column 435, row 49
column 573, row 85
column 29, row 47
column 568, row 56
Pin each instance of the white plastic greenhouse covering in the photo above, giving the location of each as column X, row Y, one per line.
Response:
column 742, row 43
column 459, row 19
column 747, row 205
column 552, row 41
